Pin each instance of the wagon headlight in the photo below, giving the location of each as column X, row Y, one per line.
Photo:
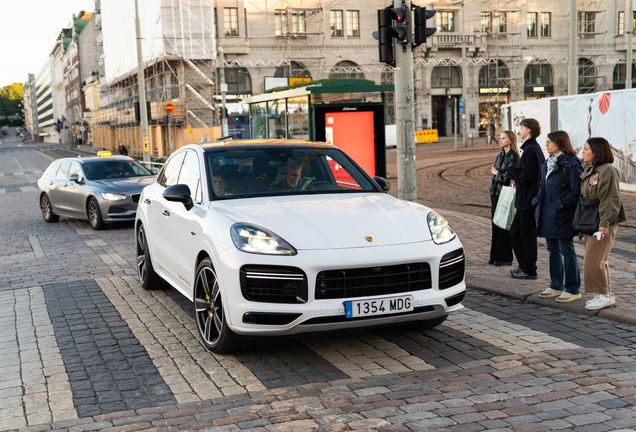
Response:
column 254, row 239
column 113, row 196
column 441, row 232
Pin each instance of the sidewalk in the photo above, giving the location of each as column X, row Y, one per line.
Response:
column 456, row 184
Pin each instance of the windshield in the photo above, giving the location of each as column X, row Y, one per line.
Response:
column 109, row 169
column 284, row 171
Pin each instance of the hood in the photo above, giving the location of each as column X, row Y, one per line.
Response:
column 333, row 221
column 128, row 185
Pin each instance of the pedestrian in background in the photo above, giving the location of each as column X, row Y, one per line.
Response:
column 205, row 138
column 500, row 246
column 556, row 202
column 523, row 232
column 122, row 149
column 600, row 181
column 492, row 133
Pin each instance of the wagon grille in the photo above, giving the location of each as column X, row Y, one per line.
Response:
column 451, row 269
column 273, row 284
column 372, row 281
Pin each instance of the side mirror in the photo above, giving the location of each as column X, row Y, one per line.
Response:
column 74, row 177
column 384, row 185
column 179, row 193
column 154, row 171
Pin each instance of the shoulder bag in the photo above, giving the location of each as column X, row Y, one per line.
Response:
column 586, row 217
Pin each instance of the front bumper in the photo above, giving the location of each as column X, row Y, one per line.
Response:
column 329, row 314
column 119, row 211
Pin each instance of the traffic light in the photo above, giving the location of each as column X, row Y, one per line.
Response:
column 420, row 15
column 393, row 23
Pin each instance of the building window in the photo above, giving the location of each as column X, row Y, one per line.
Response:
column 353, row 23
column 238, row 80
column 621, row 23
column 501, row 21
column 586, row 24
column 294, row 70
column 537, row 74
column 532, row 24
column 281, row 28
column 351, row 70
column 620, row 73
column 446, row 76
column 245, row 17
column 486, row 22
column 545, row 24
column 445, row 21
column 335, row 18
column 587, row 78
column 230, row 21
column 494, row 75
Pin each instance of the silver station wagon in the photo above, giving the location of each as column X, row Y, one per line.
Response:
column 98, row 189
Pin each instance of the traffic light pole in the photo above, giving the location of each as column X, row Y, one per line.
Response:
column 405, row 119
column 143, row 108
column 464, row 77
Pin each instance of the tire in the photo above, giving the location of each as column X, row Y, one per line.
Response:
column 214, row 332
column 145, row 271
column 47, row 209
column 95, row 215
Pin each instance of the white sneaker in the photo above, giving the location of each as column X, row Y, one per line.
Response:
column 601, row 302
column 551, row 293
column 592, row 299
column 567, row 297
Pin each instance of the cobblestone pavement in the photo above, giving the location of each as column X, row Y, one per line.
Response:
column 84, row 347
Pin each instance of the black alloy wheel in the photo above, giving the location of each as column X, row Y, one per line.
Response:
column 214, row 332
column 95, row 215
column 146, row 272
column 47, row 209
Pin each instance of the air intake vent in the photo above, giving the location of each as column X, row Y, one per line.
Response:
column 372, row 281
column 273, row 284
column 451, row 269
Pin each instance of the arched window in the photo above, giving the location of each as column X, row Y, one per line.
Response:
column 538, row 74
column 294, row 70
column 494, row 75
column 620, row 73
column 238, row 80
column 348, row 73
column 446, row 76
column 587, row 78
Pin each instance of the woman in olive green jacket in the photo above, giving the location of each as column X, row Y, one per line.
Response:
column 600, row 181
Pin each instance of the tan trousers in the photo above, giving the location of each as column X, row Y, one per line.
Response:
column 596, row 271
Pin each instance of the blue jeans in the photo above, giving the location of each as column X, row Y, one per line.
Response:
column 563, row 262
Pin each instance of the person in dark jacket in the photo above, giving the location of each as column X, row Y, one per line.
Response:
column 122, row 149
column 554, row 212
column 500, row 247
column 523, row 232
column 491, row 132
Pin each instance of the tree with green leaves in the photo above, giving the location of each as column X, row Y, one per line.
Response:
column 11, row 105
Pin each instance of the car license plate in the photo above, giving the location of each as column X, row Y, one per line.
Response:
column 385, row 306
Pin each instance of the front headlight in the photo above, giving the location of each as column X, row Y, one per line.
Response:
column 254, row 239
column 114, row 196
column 440, row 229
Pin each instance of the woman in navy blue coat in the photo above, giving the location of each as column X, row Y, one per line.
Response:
column 559, row 192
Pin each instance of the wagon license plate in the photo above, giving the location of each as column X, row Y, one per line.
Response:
column 385, row 306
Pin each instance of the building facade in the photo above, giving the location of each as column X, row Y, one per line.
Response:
column 45, row 128
column 30, row 106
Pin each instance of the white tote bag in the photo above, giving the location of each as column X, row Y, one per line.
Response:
column 505, row 211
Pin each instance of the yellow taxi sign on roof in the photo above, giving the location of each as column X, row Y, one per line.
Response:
column 104, row 153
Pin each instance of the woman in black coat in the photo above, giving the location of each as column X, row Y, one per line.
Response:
column 500, row 247
column 559, row 192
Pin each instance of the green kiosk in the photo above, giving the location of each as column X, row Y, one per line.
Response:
column 348, row 113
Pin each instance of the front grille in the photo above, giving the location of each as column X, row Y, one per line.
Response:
column 372, row 281
column 451, row 269
column 273, row 284
column 456, row 299
column 135, row 198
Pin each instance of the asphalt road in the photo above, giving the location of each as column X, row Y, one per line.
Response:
column 84, row 347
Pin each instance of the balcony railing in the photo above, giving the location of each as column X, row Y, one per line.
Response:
column 452, row 40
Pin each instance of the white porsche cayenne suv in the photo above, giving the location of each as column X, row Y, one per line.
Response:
column 281, row 237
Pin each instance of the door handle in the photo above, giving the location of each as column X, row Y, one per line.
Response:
column 51, row 184
column 166, row 213
column 146, row 201
column 65, row 184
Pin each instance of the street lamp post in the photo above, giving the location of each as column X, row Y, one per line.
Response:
column 629, row 28
column 464, row 94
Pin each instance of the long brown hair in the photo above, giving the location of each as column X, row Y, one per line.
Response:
column 513, row 141
column 562, row 140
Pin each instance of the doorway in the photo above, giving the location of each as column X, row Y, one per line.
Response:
column 443, row 115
